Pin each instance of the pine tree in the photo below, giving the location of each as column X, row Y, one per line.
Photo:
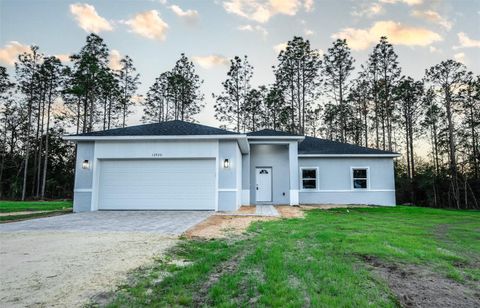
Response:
column 128, row 79
column 297, row 77
column 230, row 103
column 448, row 78
column 337, row 67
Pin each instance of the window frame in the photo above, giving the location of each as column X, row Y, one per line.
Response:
column 352, row 178
column 317, row 186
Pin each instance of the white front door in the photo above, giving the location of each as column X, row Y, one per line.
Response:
column 263, row 184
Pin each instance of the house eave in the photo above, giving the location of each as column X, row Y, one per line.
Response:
column 348, row 155
column 276, row 137
column 241, row 139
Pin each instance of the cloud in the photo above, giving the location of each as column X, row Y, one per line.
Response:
column 279, row 47
column 148, row 24
column 9, row 53
column 64, row 57
column 114, row 60
column 460, row 57
column 397, row 33
column 88, row 18
column 434, row 17
column 210, row 61
column 251, row 28
column 368, row 11
column 190, row 16
column 262, row 10
column 308, row 5
column 408, row 2
column 466, row 42
column 308, row 32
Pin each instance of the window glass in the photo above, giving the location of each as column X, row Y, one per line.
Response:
column 360, row 178
column 309, row 178
column 360, row 173
column 309, row 184
column 309, row 173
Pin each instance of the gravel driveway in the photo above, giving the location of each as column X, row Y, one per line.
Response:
column 64, row 260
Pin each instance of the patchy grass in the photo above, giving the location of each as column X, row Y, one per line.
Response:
column 22, row 206
column 321, row 260
column 21, row 210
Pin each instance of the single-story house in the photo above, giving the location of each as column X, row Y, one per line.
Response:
column 178, row 165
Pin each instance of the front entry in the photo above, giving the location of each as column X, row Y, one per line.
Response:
column 263, row 184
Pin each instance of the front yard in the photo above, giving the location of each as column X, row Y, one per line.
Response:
column 20, row 210
column 331, row 258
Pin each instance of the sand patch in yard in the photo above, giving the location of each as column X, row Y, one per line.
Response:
column 65, row 269
column 223, row 226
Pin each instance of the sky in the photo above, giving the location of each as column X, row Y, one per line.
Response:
column 155, row 32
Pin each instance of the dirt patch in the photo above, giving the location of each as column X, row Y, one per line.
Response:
column 225, row 268
column 332, row 206
column 55, row 269
column 287, row 211
column 223, row 226
column 244, row 209
column 416, row 286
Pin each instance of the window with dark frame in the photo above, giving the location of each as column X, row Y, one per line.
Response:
column 309, row 178
column 360, row 178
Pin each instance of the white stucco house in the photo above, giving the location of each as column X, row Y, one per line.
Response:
column 184, row 166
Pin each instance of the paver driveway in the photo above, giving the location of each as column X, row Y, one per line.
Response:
column 64, row 260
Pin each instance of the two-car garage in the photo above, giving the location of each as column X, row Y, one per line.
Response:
column 157, row 184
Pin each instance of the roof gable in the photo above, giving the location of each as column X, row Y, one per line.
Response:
column 170, row 128
column 311, row 145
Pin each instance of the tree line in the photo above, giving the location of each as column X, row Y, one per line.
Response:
column 315, row 94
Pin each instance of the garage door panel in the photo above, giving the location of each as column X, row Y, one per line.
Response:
column 167, row 184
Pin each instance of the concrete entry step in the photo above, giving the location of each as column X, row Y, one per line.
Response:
column 266, row 210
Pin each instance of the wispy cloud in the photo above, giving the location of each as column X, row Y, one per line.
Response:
column 210, row 61
column 64, row 57
column 88, row 19
column 434, row 17
column 409, row 2
column 309, row 32
column 262, row 10
column 466, row 42
column 148, row 24
column 9, row 53
column 190, row 16
column 255, row 28
column 114, row 60
column 397, row 33
column 368, row 10
column 460, row 57
column 279, row 47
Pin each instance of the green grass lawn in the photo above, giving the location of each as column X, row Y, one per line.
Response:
column 318, row 261
column 44, row 208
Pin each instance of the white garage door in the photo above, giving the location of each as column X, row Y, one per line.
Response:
column 163, row 184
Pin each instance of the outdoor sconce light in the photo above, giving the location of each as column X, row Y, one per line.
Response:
column 226, row 163
column 85, row 164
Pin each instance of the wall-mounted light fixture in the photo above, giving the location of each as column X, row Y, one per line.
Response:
column 226, row 163
column 86, row 164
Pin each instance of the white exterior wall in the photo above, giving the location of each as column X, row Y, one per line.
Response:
column 82, row 193
column 228, row 181
column 335, row 181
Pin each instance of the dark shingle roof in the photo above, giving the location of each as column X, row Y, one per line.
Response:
column 322, row 146
column 170, row 128
column 271, row 133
